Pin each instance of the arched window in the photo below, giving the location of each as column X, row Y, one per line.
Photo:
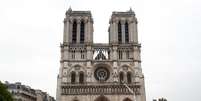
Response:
column 119, row 32
column 129, row 79
column 82, row 32
column 126, row 33
column 81, row 77
column 74, row 32
column 121, row 77
column 73, row 76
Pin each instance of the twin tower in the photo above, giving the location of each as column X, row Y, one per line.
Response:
column 100, row 72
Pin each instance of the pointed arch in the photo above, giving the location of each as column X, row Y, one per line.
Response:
column 82, row 30
column 74, row 32
column 126, row 32
column 101, row 98
column 119, row 32
column 127, row 99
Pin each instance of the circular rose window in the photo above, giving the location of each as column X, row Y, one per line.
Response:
column 101, row 74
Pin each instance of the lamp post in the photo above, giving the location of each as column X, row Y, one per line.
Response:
column 130, row 90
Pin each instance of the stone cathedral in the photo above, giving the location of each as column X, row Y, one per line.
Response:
column 96, row 71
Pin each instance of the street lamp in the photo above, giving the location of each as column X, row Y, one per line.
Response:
column 130, row 90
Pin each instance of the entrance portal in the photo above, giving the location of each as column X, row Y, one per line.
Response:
column 101, row 98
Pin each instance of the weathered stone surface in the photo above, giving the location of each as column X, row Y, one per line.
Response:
column 98, row 72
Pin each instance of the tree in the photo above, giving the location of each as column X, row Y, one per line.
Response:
column 5, row 95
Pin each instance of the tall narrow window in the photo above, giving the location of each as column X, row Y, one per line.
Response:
column 82, row 54
column 129, row 77
column 126, row 33
column 74, row 32
column 81, row 77
column 120, row 54
column 121, row 77
column 82, row 32
column 73, row 54
column 73, row 76
column 119, row 32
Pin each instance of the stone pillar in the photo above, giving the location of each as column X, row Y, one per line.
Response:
column 70, row 31
column 65, row 37
column 89, row 58
column 76, row 77
column 131, row 31
column 88, row 35
column 135, row 32
column 86, row 39
column 89, row 53
column 66, row 53
column 114, row 48
column 91, row 31
column 114, row 32
column 111, row 40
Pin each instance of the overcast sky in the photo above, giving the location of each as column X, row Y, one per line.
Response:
column 169, row 31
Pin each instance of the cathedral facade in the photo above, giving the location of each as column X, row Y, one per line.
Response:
column 96, row 71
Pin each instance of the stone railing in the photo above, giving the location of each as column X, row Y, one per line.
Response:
column 96, row 89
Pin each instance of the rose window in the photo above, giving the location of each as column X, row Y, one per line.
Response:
column 101, row 74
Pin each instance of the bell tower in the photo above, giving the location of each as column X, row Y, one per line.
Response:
column 78, row 27
column 123, row 28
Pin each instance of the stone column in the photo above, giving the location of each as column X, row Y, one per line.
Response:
column 114, row 57
column 91, row 30
column 89, row 58
column 114, row 32
column 76, row 77
column 135, row 33
column 65, row 31
column 70, row 30
column 131, row 31
column 111, row 40
column 86, row 39
column 66, row 53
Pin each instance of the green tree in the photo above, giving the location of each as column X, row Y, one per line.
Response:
column 5, row 95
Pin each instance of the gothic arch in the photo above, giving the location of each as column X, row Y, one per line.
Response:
column 82, row 31
column 74, row 31
column 75, row 99
column 77, row 67
column 127, row 99
column 119, row 32
column 126, row 67
column 128, row 73
column 126, row 32
column 101, row 98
